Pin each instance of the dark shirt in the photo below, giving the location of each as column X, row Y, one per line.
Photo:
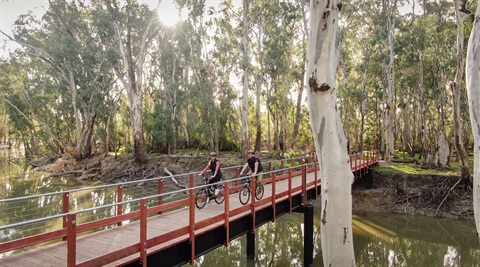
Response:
column 213, row 166
column 251, row 163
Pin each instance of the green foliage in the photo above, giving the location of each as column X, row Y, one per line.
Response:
column 158, row 125
column 192, row 76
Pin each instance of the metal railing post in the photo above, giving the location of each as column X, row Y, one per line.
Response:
column 290, row 188
column 227, row 213
column 191, row 227
column 119, row 200
column 143, row 231
column 71, row 240
column 274, row 182
column 160, row 191
column 65, row 209
column 304, row 184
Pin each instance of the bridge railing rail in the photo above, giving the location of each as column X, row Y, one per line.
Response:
column 68, row 224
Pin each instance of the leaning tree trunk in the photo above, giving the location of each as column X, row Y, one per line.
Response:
column 337, row 178
column 472, row 76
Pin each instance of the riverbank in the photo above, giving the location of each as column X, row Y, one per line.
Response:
column 390, row 192
column 426, row 195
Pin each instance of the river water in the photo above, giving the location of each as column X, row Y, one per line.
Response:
column 379, row 239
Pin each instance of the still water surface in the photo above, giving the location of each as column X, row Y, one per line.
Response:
column 379, row 239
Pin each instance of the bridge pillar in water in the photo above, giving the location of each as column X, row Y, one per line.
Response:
column 308, row 236
column 307, row 211
column 250, row 245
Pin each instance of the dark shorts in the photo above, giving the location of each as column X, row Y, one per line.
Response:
column 215, row 179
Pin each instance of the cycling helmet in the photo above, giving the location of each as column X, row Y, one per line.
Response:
column 213, row 154
column 251, row 152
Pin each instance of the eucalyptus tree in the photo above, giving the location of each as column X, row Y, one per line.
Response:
column 281, row 21
column 246, row 68
column 132, row 31
column 390, row 9
column 330, row 143
column 65, row 41
column 472, row 75
column 456, row 88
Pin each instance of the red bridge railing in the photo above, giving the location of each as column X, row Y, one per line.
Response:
column 155, row 205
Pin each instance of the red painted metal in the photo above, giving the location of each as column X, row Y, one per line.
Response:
column 111, row 256
column 160, row 191
column 168, row 206
column 65, row 209
column 290, row 188
column 240, row 210
column 32, row 240
column 143, row 231
column 227, row 213
column 155, row 241
column 71, row 240
column 119, row 200
column 263, row 201
column 108, row 221
column 253, row 184
column 191, row 228
column 304, row 185
column 274, row 183
column 207, row 222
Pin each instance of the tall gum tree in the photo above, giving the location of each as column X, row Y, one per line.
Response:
column 132, row 53
column 336, row 210
column 472, row 75
column 456, row 88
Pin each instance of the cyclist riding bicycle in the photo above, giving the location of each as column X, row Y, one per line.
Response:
column 214, row 166
column 256, row 168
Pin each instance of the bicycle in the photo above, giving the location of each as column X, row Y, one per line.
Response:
column 245, row 191
column 201, row 197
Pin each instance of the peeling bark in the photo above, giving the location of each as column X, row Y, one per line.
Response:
column 337, row 240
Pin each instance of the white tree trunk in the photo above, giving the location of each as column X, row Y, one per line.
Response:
column 390, row 105
column 456, row 88
column 246, row 63
column 472, row 76
column 443, row 153
column 336, row 227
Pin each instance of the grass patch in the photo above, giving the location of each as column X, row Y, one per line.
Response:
column 414, row 169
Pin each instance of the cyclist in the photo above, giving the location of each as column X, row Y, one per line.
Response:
column 256, row 168
column 214, row 166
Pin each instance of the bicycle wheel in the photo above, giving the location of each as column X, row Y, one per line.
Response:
column 201, row 198
column 244, row 194
column 220, row 197
column 259, row 190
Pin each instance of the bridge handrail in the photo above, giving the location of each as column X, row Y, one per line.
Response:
column 127, row 183
column 106, row 221
column 138, row 199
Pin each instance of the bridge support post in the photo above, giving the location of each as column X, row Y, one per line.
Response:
column 307, row 211
column 250, row 245
column 308, row 238
column 369, row 178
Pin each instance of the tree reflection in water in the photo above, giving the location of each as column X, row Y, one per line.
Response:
column 379, row 240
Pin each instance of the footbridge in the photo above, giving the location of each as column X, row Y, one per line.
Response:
column 161, row 226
